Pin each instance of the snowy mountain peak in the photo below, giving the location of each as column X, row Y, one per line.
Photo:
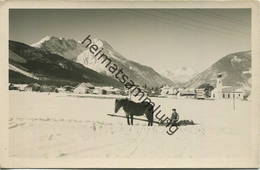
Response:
column 38, row 44
column 184, row 71
column 80, row 53
column 180, row 75
column 94, row 40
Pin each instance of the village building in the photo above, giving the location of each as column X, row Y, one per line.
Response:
column 114, row 91
column 226, row 92
column 154, row 93
column 200, row 93
column 107, row 90
column 32, row 87
column 12, row 87
column 84, row 88
column 186, row 93
column 232, row 93
column 19, row 87
column 46, row 88
column 65, row 89
column 29, row 88
column 99, row 90
column 68, row 88
column 167, row 90
column 61, row 90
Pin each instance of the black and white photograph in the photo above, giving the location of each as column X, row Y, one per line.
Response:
column 132, row 84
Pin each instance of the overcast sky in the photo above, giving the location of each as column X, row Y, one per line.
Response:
column 160, row 38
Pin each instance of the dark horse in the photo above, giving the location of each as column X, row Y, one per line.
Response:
column 138, row 109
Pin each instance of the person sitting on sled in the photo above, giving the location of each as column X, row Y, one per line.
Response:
column 174, row 117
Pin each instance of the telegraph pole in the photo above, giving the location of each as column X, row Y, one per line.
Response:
column 234, row 103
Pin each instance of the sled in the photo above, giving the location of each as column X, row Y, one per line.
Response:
column 144, row 120
column 179, row 123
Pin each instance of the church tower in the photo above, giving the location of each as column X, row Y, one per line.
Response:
column 219, row 85
column 218, row 90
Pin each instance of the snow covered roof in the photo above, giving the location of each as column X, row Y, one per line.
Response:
column 232, row 90
column 85, row 85
column 187, row 92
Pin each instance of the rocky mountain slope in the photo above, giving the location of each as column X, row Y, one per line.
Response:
column 75, row 51
column 28, row 64
column 235, row 68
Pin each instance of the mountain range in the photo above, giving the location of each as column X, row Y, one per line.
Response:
column 63, row 61
column 76, row 52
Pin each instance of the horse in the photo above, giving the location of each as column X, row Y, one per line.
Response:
column 132, row 109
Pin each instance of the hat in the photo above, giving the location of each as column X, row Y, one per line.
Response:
column 174, row 109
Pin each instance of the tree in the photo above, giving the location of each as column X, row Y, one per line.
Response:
column 207, row 88
column 144, row 86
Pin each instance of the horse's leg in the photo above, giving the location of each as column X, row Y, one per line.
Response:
column 132, row 119
column 128, row 122
column 148, row 119
column 151, row 119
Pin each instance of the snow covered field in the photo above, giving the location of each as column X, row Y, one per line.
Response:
column 56, row 125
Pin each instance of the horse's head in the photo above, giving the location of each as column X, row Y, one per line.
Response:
column 118, row 105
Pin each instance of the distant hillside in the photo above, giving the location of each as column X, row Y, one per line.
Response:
column 75, row 51
column 28, row 64
column 236, row 70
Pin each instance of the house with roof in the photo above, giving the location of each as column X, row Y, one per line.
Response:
column 186, row 93
column 84, row 88
column 12, row 87
column 65, row 89
column 68, row 88
column 113, row 90
column 32, row 87
column 19, row 87
column 99, row 90
column 167, row 90
column 226, row 92
column 200, row 93
column 46, row 88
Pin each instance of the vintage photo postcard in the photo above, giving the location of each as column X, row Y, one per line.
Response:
column 129, row 84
